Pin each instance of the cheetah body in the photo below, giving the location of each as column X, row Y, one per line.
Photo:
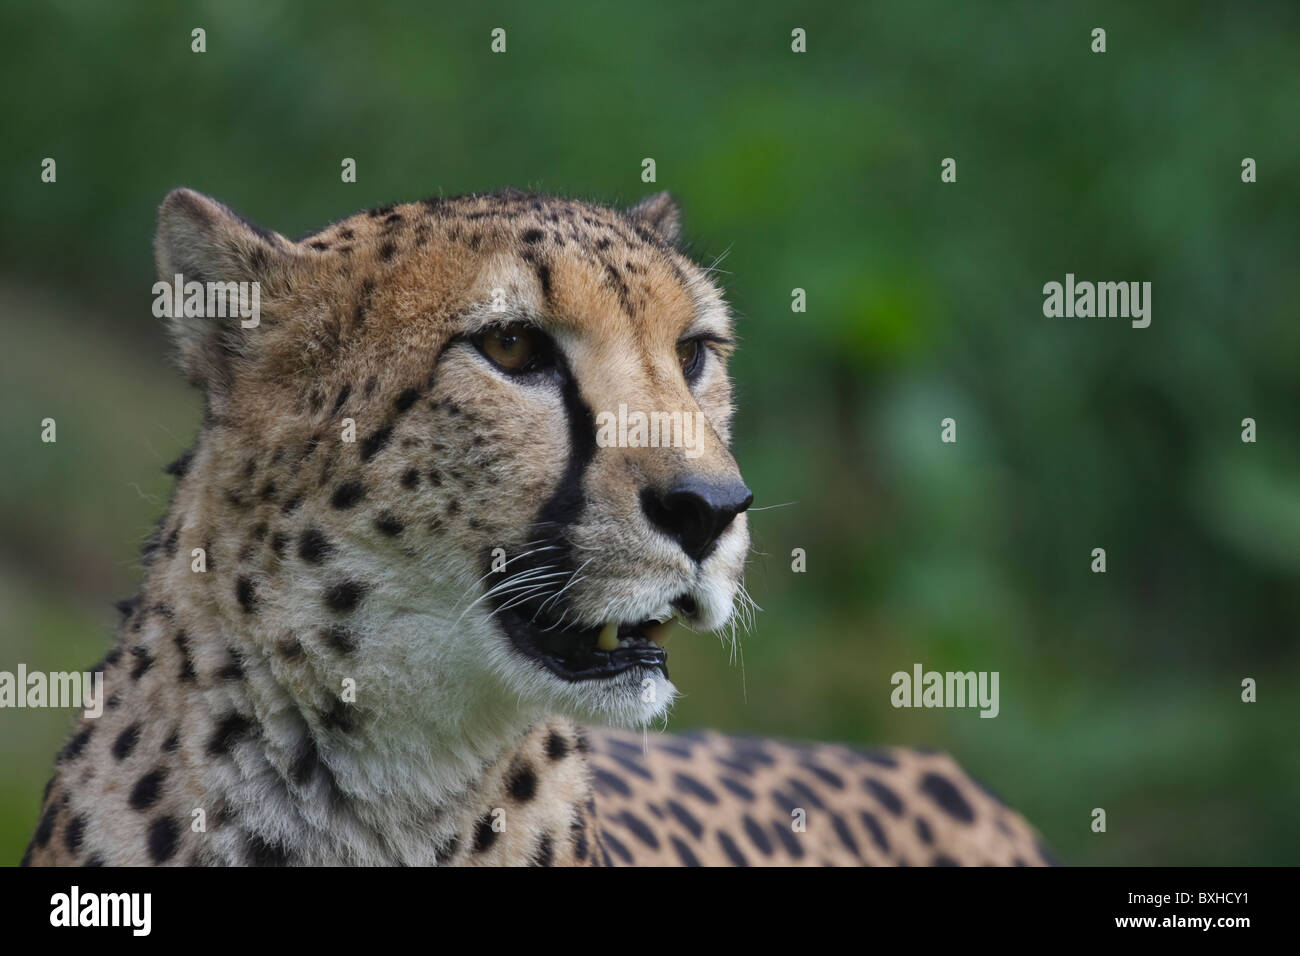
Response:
column 318, row 669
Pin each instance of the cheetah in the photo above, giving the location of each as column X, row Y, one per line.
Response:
column 402, row 573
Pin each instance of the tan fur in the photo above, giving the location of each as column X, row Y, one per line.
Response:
column 229, row 736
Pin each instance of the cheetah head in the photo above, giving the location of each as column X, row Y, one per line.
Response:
column 483, row 442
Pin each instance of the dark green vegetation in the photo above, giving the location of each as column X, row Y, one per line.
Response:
column 818, row 171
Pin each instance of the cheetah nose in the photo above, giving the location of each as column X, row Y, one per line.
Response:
column 695, row 511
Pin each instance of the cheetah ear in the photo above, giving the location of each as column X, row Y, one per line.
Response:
column 661, row 213
column 202, row 241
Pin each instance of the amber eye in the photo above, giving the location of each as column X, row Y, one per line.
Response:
column 514, row 347
column 688, row 356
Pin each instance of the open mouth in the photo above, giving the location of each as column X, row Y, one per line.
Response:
column 586, row 653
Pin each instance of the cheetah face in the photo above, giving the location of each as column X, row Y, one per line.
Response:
column 540, row 478
column 628, row 520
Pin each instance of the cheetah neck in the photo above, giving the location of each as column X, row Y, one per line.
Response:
column 309, row 742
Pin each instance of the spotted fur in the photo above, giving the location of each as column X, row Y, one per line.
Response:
column 316, row 670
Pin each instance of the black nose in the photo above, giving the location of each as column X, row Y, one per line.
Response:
column 694, row 512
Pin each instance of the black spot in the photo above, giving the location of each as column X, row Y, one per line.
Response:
column 172, row 743
column 545, row 854
column 788, row 839
column 182, row 642
column 263, row 853
column 533, row 235
column 544, row 277
column 386, row 251
column 319, row 245
column 279, row 541
column 731, row 850
column 163, row 837
column 344, row 596
column 347, row 494
column 580, row 847
column 875, row 829
column 923, row 830
column 803, row 792
column 45, row 828
column 523, row 783
column 943, row 859
column 127, row 606
column 876, row 757
column 686, row 819
column 73, row 835
column 757, row 836
column 1046, row 855
column 826, row 776
column 313, row 546
column 639, row 829
column 632, row 766
column 147, row 789
column 374, row 443
column 233, row 669
column 72, row 749
column 738, row 788
column 408, row 398
column 339, row 638
column 557, row 748
column 888, row 799
column 340, row 717
column 290, row 648
column 267, row 492
column 293, row 504
column 169, row 545
column 484, row 835
column 387, row 524
column 305, row 761
column 126, row 741
column 410, row 478
column 941, row 790
column 233, row 728
column 446, row 850
column 143, row 661
column 181, row 466
column 94, row 860
column 246, row 593
column 844, row 833
column 684, row 853
column 344, row 392
column 606, row 782
column 608, row 839
column 688, row 784
column 677, row 749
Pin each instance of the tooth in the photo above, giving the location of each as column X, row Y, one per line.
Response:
column 608, row 639
column 658, row 632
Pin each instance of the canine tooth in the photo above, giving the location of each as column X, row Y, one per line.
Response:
column 658, row 632
column 608, row 639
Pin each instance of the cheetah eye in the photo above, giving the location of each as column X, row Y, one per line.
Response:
column 690, row 353
column 515, row 347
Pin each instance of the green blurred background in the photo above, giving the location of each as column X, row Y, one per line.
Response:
column 818, row 171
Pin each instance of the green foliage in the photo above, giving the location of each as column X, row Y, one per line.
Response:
column 818, row 171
